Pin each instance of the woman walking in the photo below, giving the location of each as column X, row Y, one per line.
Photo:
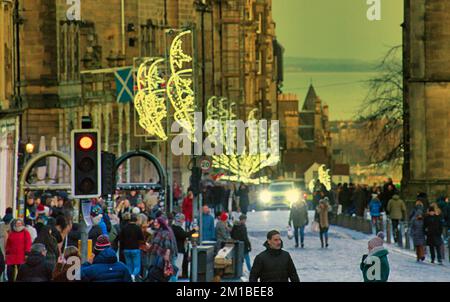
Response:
column 322, row 210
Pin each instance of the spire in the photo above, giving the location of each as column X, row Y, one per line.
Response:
column 310, row 100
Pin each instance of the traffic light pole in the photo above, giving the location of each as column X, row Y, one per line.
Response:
column 84, row 234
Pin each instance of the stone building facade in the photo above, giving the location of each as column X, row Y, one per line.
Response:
column 426, row 36
column 66, row 67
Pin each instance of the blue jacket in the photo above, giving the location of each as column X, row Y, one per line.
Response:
column 375, row 208
column 102, row 225
column 208, row 229
column 105, row 268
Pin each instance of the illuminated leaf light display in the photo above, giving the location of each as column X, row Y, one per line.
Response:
column 241, row 167
column 180, row 85
column 324, row 178
column 150, row 98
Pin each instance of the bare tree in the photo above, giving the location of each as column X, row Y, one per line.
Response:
column 382, row 110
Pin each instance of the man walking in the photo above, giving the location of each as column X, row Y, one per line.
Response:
column 274, row 264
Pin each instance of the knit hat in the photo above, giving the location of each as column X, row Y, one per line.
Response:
column 41, row 209
column 136, row 211
column 102, row 243
column 223, row 216
column 179, row 218
column 380, row 235
column 375, row 242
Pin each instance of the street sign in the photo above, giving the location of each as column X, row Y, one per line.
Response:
column 205, row 165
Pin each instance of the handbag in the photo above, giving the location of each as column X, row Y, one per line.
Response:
column 315, row 228
column 290, row 233
column 168, row 269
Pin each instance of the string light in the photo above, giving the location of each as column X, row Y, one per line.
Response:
column 179, row 85
column 149, row 101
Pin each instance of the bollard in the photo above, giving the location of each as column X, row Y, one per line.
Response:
column 400, row 233
column 407, row 238
column 388, row 231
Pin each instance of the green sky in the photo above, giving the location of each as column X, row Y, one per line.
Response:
column 336, row 28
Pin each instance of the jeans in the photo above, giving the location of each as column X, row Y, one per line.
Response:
column 11, row 272
column 133, row 261
column 247, row 261
column 324, row 233
column 174, row 278
column 302, row 234
column 376, row 222
column 395, row 223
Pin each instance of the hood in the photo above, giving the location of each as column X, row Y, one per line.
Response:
column 379, row 252
column 396, row 196
column 107, row 256
column 35, row 259
column 272, row 251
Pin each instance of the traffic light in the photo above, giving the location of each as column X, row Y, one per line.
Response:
column 108, row 173
column 86, row 163
column 195, row 180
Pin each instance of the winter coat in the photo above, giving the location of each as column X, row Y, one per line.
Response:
column 396, row 208
column 156, row 271
column 181, row 235
column 131, row 237
column 433, row 229
column 417, row 232
column 187, row 209
column 17, row 245
column 366, row 263
column 322, row 210
column 94, row 233
column 243, row 196
column 60, row 272
column 162, row 240
column 222, row 233
column 7, row 218
column 375, row 207
column 105, row 268
column 299, row 215
column 208, row 229
column 446, row 214
column 74, row 235
column 415, row 210
column 239, row 233
column 360, row 202
column 35, row 269
column 273, row 266
column 345, row 198
column 50, row 244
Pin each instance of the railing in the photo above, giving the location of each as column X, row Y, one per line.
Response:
column 404, row 239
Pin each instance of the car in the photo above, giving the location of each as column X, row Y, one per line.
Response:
column 279, row 195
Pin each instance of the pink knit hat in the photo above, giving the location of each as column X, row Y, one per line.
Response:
column 375, row 242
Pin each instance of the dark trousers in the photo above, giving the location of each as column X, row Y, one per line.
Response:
column 323, row 233
column 11, row 272
column 435, row 249
column 185, row 265
column 395, row 223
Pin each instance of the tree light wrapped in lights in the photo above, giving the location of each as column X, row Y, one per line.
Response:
column 150, row 98
column 180, row 85
column 324, row 177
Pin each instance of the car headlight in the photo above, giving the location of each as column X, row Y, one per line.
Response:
column 265, row 196
column 293, row 195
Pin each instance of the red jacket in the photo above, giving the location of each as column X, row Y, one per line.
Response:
column 187, row 208
column 17, row 244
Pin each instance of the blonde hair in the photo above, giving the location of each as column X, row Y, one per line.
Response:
column 71, row 251
column 437, row 209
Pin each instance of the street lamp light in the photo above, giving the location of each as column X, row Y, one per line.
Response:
column 29, row 147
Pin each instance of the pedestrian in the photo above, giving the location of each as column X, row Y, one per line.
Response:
column 133, row 198
column 418, row 235
column 397, row 212
column 359, row 200
column 298, row 218
column 345, row 198
column 130, row 239
column 243, row 194
column 30, row 228
column 98, row 228
column 163, row 240
column 104, row 266
column 433, row 229
column 322, row 210
column 18, row 244
column 274, row 264
column 2, row 264
column 388, row 193
column 181, row 236
column 375, row 212
column 8, row 216
column 239, row 233
column 36, row 268
column 123, row 207
column 74, row 235
column 222, row 231
column 375, row 265
column 417, row 207
column 51, row 245
column 187, row 208
column 143, row 223
column 208, row 229
column 161, row 269
column 62, row 272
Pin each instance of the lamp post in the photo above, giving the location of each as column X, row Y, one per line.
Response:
column 29, row 149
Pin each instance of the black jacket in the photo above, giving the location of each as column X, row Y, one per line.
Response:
column 95, row 231
column 239, row 233
column 74, row 235
column 35, row 269
column 433, row 229
column 273, row 266
column 130, row 237
column 2, row 262
column 181, row 236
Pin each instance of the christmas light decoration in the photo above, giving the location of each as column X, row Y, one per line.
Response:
column 324, row 177
column 180, row 85
column 150, row 100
